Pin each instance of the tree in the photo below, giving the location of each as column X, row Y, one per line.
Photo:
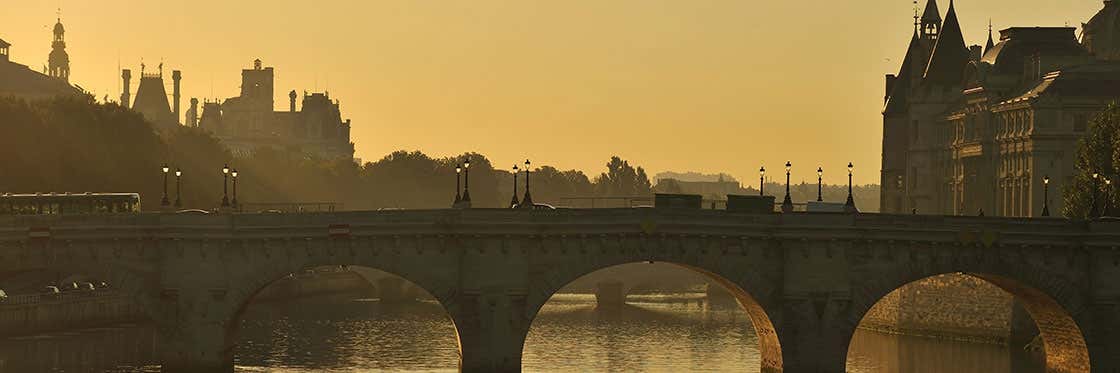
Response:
column 1098, row 151
column 622, row 180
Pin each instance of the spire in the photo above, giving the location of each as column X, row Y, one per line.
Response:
column 58, row 59
column 950, row 55
column 932, row 15
column 990, row 44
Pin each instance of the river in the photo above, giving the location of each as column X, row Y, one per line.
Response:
column 671, row 333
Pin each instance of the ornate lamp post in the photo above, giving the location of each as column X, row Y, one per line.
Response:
column 467, row 180
column 165, row 202
column 514, row 202
column 1046, row 196
column 850, row 205
column 527, row 202
column 225, row 185
column 458, row 177
column 178, row 188
column 1094, row 211
column 234, row 201
column 787, row 203
column 820, row 183
column 761, row 180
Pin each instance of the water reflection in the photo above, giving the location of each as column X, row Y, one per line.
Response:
column 669, row 333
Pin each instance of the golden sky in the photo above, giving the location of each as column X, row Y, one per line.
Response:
column 672, row 85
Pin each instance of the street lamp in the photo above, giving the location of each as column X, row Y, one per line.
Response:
column 513, row 202
column 164, row 202
column 458, row 177
column 467, row 180
column 234, row 202
column 1046, row 196
column 178, row 187
column 1094, row 211
column 1107, row 197
column 820, row 183
column 761, row 180
column 225, row 185
column 527, row 202
column 787, row 203
column 850, row 205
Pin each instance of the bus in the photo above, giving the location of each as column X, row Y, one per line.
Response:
column 69, row 204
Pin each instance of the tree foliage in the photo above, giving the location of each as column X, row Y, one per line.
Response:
column 1098, row 151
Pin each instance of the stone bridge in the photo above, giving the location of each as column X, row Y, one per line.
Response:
column 805, row 279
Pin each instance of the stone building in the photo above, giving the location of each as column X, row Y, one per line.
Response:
column 21, row 81
column 971, row 129
column 151, row 96
column 249, row 122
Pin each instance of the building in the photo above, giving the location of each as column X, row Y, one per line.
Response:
column 976, row 129
column 151, row 96
column 249, row 122
column 21, row 81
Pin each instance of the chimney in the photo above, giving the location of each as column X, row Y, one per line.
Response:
column 976, row 52
column 292, row 101
column 891, row 79
column 176, row 76
column 126, row 97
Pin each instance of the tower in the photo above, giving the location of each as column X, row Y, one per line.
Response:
column 292, row 101
column 192, row 113
column 126, row 95
column 59, row 61
column 930, row 27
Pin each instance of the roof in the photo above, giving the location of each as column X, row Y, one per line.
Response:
column 20, row 81
column 950, row 55
column 1095, row 80
column 899, row 94
column 151, row 101
column 932, row 15
column 1019, row 43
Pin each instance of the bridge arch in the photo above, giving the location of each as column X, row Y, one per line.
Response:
column 1048, row 298
column 734, row 279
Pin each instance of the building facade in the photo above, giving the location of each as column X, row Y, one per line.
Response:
column 249, row 122
column 971, row 130
column 20, row 81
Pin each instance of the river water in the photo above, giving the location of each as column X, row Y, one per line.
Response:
column 671, row 333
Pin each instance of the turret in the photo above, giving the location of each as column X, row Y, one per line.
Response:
column 126, row 96
column 292, row 101
column 192, row 113
column 176, row 76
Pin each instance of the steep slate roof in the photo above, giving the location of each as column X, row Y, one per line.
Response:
column 991, row 43
column 900, row 92
column 946, row 65
column 151, row 101
column 932, row 15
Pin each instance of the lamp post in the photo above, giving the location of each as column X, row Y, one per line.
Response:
column 820, row 183
column 225, row 185
column 527, row 202
column 1107, row 197
column 165, row 202
column 1046, row 196
column 513, row 202
column 761, row 180
column 467, row 180
column 1094, row 211
column 850, row 205
column 787, row 203
column 458, row 177
column 178, row 188
column 234, row 201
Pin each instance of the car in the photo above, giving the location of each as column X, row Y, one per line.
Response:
column 51, row 290
column 69, row 287
column 3, row 296
column 86, row 286
column 270, row 211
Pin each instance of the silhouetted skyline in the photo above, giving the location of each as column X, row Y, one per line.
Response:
column 720, row 86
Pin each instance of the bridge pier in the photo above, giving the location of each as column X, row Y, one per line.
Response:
column 492, row 329
column 610, row 294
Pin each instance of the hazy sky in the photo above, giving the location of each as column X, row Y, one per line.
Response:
column 677, row 85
